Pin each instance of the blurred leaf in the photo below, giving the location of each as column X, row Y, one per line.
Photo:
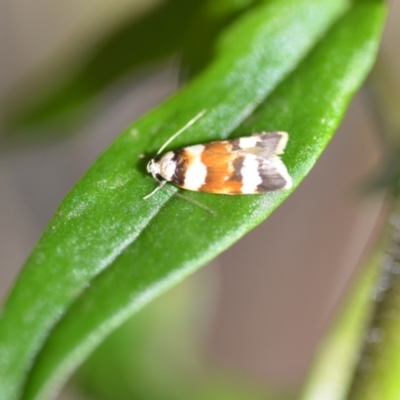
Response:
column 385, row 98
column 107, row 252
column 333, row 368
column 212, row 18
column 140, row 42
column 376, row 375
column 157, row 354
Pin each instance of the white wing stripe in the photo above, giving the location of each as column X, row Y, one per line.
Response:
column 250, row 176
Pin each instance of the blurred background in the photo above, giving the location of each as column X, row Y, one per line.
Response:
column 263, row 309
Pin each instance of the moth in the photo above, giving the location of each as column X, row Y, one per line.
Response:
column 245, row 165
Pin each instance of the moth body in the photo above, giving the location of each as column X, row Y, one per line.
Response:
column 246, row 165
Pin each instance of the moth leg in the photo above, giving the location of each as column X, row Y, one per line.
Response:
column 160, row 185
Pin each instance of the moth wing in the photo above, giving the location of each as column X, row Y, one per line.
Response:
column 221, row 165
column 263, row 144
column 238, row 166
column 265, row 147
column 273, row 174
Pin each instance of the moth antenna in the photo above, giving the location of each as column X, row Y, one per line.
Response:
column 160, row 185
column 191, row 122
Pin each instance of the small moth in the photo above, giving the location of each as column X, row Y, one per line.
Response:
column 246, row 165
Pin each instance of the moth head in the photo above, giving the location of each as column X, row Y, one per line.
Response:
column 165, row 166
column 153, row 168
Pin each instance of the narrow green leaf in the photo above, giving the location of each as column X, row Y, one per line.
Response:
column 150, row 245
column 377, row 373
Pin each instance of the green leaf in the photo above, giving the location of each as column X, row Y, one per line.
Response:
column 286, row 65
